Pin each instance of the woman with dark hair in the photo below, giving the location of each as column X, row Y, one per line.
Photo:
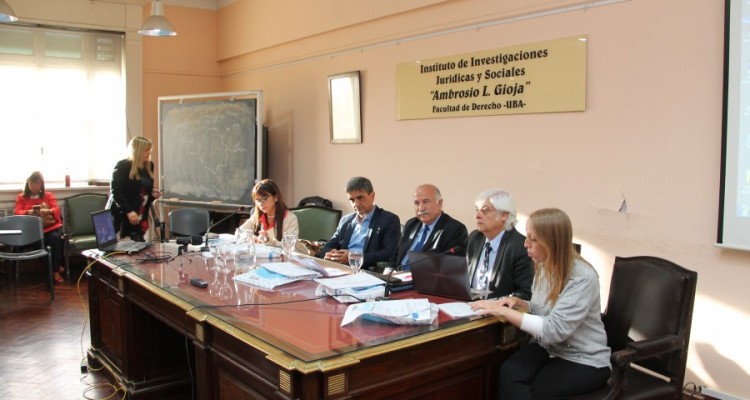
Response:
column 568, row 354
column 269, row 213
column 34, row 200
column 132, row 190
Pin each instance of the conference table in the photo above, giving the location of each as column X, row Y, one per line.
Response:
column 159, row 337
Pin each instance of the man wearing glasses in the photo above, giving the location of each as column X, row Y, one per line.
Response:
column 370, row 230
column 497, row 258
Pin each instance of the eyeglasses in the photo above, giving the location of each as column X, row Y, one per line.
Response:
column 262, row 200
column 485, row 210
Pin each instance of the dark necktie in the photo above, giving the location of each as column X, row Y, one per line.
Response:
column 420, row 243
column 483, row 277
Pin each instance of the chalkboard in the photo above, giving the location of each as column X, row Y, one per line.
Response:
column 209, row 148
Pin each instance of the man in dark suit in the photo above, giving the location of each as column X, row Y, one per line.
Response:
column 497, row 258
column 369, row 229
column 431, row 230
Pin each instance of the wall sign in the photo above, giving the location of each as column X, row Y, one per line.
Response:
column 539, row 77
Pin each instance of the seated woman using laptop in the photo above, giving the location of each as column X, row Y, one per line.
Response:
column 568, row 354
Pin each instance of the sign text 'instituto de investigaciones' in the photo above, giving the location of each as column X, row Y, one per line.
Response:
column 538, row 77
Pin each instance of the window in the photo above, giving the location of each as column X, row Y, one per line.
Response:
column 63, row 103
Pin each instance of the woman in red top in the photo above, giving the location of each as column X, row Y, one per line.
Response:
column 271, row 219
column 34, row 195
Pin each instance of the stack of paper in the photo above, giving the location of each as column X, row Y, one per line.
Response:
column 399, row 312
column 271, row 275
column 457, row 309
column 352, row 288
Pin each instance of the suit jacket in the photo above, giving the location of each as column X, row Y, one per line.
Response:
column 512, row 273
column 381, row 241
column 448, row 233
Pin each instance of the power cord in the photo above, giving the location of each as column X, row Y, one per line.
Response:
column 85, row 367
column 694, row 392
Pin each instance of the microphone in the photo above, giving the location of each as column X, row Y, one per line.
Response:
column 237, row 211
column 387, row 289
column 184, row 241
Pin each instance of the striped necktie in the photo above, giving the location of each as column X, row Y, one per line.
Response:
column 483, row 278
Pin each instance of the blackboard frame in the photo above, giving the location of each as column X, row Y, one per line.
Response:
column 198, row 100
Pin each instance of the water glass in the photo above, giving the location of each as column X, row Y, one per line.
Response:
column 355, row 260
column 287, row 244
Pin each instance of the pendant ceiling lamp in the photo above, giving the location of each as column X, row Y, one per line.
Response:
column 156, row 24
column 6, row 13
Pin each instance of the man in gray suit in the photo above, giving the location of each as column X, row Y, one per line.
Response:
column 497, row 258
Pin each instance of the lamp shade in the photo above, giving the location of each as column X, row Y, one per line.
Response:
column 156, row 24
column 6, row 13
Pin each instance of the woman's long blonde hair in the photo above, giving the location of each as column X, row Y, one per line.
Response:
column 138, row 145
column 554, row 232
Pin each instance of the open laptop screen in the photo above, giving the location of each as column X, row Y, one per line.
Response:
column 104, row 228
column 441, row 275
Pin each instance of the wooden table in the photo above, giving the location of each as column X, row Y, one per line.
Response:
column 163, row 338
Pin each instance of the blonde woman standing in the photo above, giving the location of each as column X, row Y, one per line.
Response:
column 132, row 190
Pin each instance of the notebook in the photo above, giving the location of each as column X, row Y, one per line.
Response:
column 442, row 275
column 106, row 237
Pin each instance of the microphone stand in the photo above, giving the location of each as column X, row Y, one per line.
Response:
column 239, row 210
column 159, row 224
column 388, row 282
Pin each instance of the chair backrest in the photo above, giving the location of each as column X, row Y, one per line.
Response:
column 78, row 209
column 316, row 223
column 650, row 297
column 315, row 201
column 188, row 221
column 31, row 227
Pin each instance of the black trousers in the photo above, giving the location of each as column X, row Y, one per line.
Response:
column 530, row 373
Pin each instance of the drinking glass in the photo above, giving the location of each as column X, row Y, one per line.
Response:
column 209, row 260
column 226, row 253
column 226, row 292
column 287, row 244
column 355, row 260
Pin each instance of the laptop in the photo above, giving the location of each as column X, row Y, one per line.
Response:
column 106, row 237
column 443, row 275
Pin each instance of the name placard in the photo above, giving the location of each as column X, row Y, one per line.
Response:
column 539, row 77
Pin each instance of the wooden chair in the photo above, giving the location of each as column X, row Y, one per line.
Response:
column 648, row 318
column 78, row 230
column 32, row 231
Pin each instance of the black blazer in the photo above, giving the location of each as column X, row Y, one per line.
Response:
column 382, row 237
column 125, row 195
column 512, row 272
column 448, row 233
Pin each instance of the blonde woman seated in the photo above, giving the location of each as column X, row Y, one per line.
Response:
column 568, row 354
column 270, row 213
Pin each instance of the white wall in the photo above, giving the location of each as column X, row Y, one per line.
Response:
column 650, row 136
